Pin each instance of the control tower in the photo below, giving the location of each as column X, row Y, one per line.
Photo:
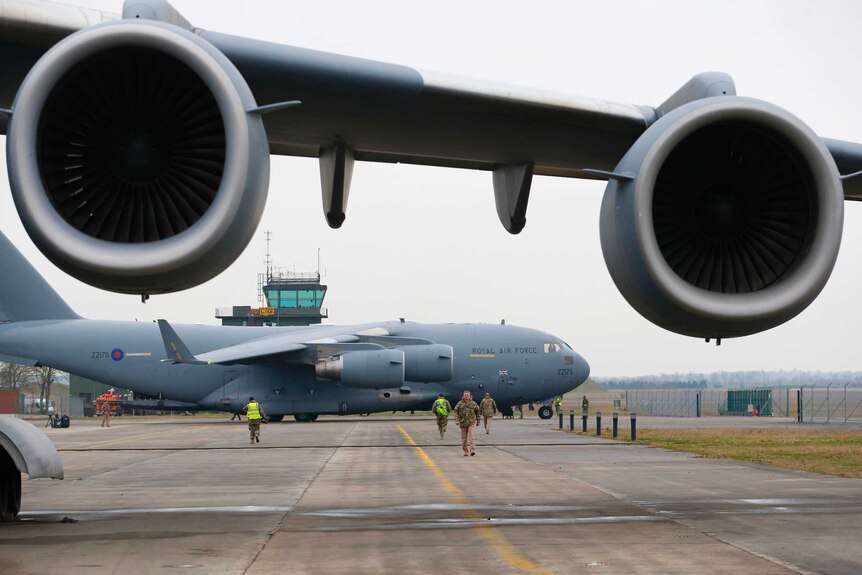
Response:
column 286, row 298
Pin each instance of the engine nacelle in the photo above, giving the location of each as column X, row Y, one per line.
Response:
column 370, row 369
column 133, row 161
column 427, row 363
column 730, row 223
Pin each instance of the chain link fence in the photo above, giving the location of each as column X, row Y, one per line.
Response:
column 834, row 403
column 703, row 402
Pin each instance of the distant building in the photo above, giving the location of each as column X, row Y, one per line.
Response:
column 290, row 298
column 287, row 298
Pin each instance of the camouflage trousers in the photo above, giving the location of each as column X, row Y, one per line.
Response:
column 254, row 430
column 468, row 439
column 488, row 419
column 442, row 421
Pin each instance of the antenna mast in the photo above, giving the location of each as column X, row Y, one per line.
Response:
column 268, row 261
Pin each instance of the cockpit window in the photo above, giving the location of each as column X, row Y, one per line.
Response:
column 551, row 347
column 567, row 346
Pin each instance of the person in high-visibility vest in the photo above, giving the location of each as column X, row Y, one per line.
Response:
column 558, row 404
column 254, row 413
column 441, row 408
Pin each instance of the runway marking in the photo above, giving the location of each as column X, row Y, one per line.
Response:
column 243, row 446
column 102, row 513
column 508, row 552
column 136, row 437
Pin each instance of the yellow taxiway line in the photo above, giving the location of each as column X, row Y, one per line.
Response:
column 508, row 552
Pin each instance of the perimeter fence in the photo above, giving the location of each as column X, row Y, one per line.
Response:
column 778, row 402
column 676, row 402
column 833, row 403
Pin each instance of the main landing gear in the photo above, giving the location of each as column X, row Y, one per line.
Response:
column 305, row 417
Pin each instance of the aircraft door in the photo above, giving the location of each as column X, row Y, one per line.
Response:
column 505, row 388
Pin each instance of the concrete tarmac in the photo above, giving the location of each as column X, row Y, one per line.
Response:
column 386, row 495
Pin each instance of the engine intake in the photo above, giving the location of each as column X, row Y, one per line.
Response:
column 732, row 222
column 133, row 162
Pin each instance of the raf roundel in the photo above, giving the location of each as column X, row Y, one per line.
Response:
column 117, row 354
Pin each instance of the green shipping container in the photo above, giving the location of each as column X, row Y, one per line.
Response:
column 738, row 401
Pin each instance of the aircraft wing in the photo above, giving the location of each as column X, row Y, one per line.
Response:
column 722, row 215
column 296, row 346
column 254, row 350
column 270, row 348
column 377, row 109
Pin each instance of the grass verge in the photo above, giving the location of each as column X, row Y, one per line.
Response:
column 828, row 451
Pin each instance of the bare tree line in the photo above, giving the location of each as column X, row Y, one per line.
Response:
column 13, row 376
column 732, row 379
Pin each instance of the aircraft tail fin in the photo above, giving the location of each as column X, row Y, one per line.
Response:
column 175, row 349
column 24, row 294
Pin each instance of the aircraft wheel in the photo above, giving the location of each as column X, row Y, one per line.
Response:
column 545, row 412
column 313, row 417
column 276, row 418
column 10, row 488
column 305, row 417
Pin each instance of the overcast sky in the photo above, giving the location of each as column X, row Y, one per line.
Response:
column 426, row 244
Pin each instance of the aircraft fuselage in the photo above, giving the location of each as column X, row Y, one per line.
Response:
column 516, row 365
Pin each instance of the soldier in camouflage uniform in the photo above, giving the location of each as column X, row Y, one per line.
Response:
column 467, row 413
column 488, row 407
column 441, row 408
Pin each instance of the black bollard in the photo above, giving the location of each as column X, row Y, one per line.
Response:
column 561, row 420
column 584, row 422
column 616, row 424
column 634, row 426
column 598, row 423
column 571, row 420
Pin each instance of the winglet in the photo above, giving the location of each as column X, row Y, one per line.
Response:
column 175, row 349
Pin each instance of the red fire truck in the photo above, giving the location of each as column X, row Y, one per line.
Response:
column 111, row 401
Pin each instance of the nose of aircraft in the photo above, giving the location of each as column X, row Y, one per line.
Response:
column 582, row 369
column 570, row 376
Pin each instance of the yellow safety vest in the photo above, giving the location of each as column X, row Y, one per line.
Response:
column 253, row 410
column 440, row 407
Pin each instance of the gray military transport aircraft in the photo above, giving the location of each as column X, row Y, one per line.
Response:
column 303, row 371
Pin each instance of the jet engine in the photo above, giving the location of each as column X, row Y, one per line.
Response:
column 724, row 219
column 136, row 159
column 427, row 363
column 371, row 369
